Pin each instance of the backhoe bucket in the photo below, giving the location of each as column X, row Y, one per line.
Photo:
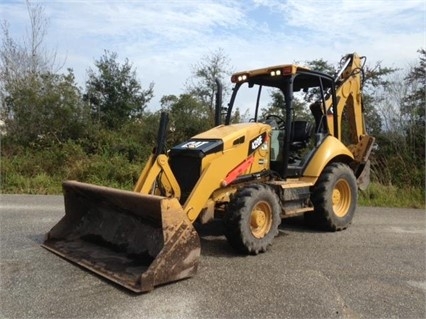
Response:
column 138, row 241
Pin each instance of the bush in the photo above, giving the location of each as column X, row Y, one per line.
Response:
column 41, row 170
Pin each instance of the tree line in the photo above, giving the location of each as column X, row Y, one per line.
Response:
column 102, row 133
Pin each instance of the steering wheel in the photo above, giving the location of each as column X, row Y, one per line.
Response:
column 278, row 119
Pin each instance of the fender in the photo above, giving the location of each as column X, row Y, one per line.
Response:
column 329, row 149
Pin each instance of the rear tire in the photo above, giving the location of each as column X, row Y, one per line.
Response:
column 334, row 197
column 252, row 219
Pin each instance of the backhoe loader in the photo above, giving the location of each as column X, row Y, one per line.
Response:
column 251, row 175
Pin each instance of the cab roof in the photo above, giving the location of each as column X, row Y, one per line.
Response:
column 283, row 69
column 273, row 75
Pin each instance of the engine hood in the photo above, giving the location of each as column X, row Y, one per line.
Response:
column 222, row 138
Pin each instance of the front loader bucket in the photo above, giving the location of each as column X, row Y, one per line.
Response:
column 138, row 241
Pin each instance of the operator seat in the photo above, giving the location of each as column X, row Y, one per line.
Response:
column 301, row 133
column 320, row 118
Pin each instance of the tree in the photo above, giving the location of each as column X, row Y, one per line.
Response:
column 29, row 56
column 277, row 107
column 26, row 58
column 114, row 93
column 187, row 117
column 45, row 108
column 413, row 109
column 375, row 81
column 202, row 84
column 400, row 157
column 37, row 105
column 322, row 65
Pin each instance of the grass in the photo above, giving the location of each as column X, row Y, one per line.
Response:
column 38, row 174
column 41, row 183
column 391, row 196
column 42, row 172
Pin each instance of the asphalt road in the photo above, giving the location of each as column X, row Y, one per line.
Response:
column 374, row 269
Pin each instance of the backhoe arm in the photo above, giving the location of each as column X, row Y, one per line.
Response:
column 349, row 100
column 350, row 116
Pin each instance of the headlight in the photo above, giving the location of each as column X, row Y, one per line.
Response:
column 239, row 78
column 275, row 72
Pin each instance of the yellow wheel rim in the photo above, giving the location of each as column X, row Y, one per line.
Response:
column 261, row 219
column 341, row 197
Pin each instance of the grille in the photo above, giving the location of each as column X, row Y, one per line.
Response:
column 187, row 172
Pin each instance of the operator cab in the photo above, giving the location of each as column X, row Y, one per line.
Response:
column 301, row 101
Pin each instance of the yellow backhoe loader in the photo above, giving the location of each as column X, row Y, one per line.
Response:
column 249, row 174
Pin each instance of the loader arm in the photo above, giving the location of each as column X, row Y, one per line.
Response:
column 147, row 182
column 218, row 168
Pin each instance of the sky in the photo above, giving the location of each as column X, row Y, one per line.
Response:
column 164, row 39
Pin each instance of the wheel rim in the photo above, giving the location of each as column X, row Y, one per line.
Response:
column 261, row 219
column 341, row 198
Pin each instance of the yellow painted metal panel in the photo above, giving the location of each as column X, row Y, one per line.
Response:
column 328, row 150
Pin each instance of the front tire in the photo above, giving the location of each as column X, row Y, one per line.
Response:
column 334, row 197
column 252, row 219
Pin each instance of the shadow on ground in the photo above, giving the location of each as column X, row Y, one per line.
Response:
column 214, row 242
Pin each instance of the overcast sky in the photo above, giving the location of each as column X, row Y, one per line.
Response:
column 163, row 38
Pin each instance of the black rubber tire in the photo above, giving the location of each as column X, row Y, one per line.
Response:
column 241, row 214
column 334, row 197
